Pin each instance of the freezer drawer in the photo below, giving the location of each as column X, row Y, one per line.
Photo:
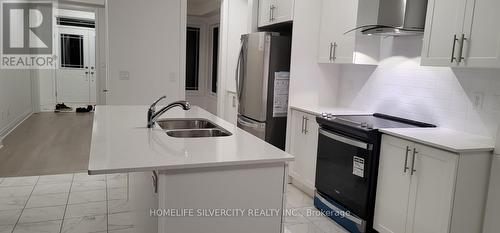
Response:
column 254, row 127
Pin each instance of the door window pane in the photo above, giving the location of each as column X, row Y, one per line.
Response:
column 215, row 57
column 71, row 51
column 192, row 57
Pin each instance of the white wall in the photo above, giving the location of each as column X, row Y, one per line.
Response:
column 15, row 99
column 234, row 23
column 203, row 97
column 147, row 40
column 400, row 86
column 311, row 84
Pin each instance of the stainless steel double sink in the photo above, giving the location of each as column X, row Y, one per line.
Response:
column 192, row 128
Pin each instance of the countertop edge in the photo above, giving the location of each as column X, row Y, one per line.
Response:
column 97, row 171
column 437, row 145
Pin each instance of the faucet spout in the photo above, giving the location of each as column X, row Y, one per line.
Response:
column 153, row 115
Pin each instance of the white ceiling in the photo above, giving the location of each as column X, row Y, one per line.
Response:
column 202, row 7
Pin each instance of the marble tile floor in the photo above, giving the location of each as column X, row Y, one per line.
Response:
column 78, row 203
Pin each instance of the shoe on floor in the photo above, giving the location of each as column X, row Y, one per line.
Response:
column 63, row 108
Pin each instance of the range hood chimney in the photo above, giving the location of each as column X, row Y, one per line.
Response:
column 391, row 17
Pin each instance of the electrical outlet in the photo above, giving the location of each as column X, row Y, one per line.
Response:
column 477, row 100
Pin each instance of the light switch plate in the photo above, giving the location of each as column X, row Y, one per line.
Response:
column 124, row 75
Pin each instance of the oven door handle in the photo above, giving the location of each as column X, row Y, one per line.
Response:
column 352, row 142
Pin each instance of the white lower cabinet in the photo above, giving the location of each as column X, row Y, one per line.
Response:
column 427, row 190
column 303, row 145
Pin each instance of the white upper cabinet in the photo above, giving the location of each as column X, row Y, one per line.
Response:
column 337, row 46
column 459, row 33
column 275, row 11
column 422, row 189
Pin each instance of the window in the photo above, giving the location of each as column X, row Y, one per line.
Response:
column 215, row 58
column 192, row 58
column 71, row 51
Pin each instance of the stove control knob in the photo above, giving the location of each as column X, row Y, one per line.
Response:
column 324, row 115
column 364, row 124
column 329, row 115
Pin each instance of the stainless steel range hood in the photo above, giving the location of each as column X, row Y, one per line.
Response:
column 391, row 17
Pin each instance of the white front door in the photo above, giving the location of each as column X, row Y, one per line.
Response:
column 76, row 74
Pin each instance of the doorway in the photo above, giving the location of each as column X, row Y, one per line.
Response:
column 76, row 74
column 202, row 53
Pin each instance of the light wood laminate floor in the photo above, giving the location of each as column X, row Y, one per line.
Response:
column 47, row 143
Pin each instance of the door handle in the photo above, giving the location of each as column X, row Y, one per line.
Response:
column 352, row 142
column 462, row 42
column 415, row 152
column 453, row 58
column 405, row 169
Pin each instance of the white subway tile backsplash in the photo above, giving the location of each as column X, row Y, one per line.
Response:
column 439, row 95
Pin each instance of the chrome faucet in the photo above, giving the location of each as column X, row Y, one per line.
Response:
column 153, row 115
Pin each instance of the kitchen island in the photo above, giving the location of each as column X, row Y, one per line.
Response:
column 220, row 184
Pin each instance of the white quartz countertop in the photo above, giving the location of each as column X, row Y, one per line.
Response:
column 334, row 111
column 446, row 139
column 121, row 142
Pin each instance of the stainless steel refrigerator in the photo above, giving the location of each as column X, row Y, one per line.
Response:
column 261, row 95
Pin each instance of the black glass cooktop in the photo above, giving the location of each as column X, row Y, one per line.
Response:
column 376, row 121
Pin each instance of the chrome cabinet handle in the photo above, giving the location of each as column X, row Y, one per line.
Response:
column 271, row 13
column 331, row 51
column 405, row 169
column 305, row 125
column 271, row 18
column 415, row 152
column 154, row 178
column 453, row 58
column 334, row 51
column 462, row 41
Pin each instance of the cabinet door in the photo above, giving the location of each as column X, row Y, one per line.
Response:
column 337, row 17
column 393, row 188
column 432, row 190
column 265, row 12
column 303, row 145
column 298, row 144
column 444, row 21
column 311, row 131
column 482, row 45
column 283, row 11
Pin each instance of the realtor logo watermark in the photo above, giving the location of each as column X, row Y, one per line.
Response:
column 27, row 35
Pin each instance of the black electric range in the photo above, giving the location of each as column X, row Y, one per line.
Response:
column 347, row 166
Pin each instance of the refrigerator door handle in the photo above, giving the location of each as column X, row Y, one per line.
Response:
column 238, row 71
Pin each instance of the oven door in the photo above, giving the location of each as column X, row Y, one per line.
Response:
column 342, row 170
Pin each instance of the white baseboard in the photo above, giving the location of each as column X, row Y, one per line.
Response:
column 304, row 186
column 14, row 124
